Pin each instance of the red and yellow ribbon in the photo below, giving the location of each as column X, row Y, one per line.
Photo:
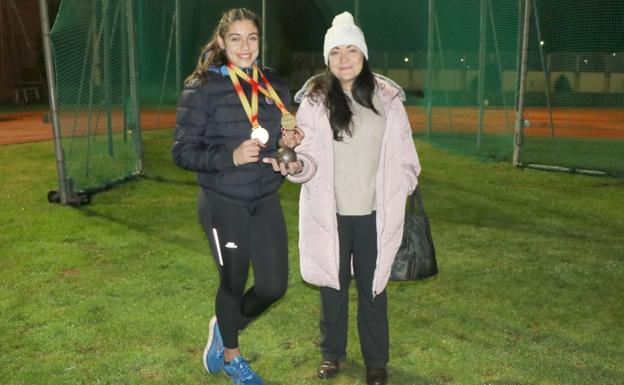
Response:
column 250, row 110
column 269, row 92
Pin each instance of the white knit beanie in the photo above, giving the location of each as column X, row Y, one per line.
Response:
column 344, row 32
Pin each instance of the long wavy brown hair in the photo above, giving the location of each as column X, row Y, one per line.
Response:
column 327, row 86
column 213, row 55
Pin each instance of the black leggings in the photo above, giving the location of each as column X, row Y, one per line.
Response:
column 239, row 235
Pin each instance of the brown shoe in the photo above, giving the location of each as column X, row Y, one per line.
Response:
column 328, row 369
column 376, row 376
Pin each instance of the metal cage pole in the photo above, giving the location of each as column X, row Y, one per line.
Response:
column 178, row 27
column 430, row 42
column 172, row 30
column 482, row 62
column 124, row 65
column 519, row 127
column 498, row 61
column 443, row 66
column 64, row 183
column 545, row 69
column 264, row 33
column 106, row 52
column 134, row 78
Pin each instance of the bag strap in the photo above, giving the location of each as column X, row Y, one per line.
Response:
column 416, row 196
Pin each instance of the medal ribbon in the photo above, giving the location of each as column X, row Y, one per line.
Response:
column 275, row 96
column 250, row 110
column 269, row 91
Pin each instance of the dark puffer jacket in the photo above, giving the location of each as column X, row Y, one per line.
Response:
column 211, row 123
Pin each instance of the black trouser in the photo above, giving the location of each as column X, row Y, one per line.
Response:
column 239, row 235
column 358, row 237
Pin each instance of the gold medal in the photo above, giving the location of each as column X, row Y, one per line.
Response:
column 288, row 121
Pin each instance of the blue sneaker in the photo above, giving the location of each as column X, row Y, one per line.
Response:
column 240, row 373
column 213, row 353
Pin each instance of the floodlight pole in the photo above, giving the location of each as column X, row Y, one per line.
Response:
column 519, row 126
column 64, row 184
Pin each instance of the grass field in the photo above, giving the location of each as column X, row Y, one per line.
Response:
column 121, row 291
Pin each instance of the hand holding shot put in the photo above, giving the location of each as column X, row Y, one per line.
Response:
column 285, row 161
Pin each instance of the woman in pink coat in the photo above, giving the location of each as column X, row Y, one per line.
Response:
column 358, row 164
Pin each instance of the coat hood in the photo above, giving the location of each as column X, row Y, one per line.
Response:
column 387, row 86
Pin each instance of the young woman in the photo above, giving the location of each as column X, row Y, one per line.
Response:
column 357, row 164
column 230, row 115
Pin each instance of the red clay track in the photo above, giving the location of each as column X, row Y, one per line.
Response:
column 603, row 123
column 22, row 127
column 596, row 123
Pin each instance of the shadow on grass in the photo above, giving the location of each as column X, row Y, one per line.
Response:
column 357, row 372
column 480, row 207
column 160, row 179
column 153, row 229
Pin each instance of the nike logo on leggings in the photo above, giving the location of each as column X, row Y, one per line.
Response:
column 229, row 245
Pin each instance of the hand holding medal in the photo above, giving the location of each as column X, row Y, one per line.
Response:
column 288, row 121
column 257, row 131
column 284, row 159
column 247, row 152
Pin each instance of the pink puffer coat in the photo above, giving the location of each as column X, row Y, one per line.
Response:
column 397, row 175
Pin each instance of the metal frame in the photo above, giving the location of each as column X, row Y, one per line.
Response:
column 66, row 194
column 519, row 126
column 65, row 189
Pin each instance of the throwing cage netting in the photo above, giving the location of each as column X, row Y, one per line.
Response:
column 96, row 94
column 471, row 76
column 538, row 82
column 574, row 105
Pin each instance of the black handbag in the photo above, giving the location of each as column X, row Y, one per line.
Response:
column 416, row 258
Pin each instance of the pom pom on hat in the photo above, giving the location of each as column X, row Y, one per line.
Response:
column 344, row 18
column 344, row 32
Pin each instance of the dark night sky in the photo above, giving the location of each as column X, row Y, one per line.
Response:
column 401, row 25
column 394, row 26
column 583, row 25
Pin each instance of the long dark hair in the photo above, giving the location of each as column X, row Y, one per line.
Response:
column 213, row 55
column 337, row 102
